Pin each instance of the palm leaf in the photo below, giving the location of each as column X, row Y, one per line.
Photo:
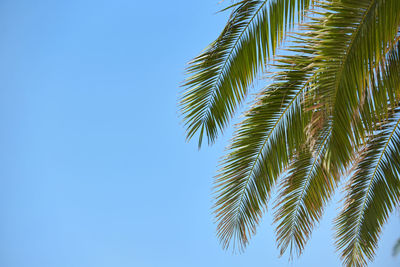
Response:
column 305, row 190
column 220, row 76
column 310, row 183
column 354, row 36
column 333, row 105
column 383, row 89
column 374, row 191
column 374, row 188
column 260, row 150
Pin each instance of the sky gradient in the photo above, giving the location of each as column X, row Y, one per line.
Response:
column 95, row 170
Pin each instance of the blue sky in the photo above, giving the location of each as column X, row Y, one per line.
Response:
column 95, row 170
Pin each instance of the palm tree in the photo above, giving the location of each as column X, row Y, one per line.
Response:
column 330, row 115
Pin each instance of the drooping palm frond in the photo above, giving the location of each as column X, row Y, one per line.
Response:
column 354, row 36
column 383, row 89
column 220, row 76
column 259, row 152
column 305, row 190
column 293, row 229
column 374, row 188
column 311, row 183
column 243, row 191
column 334, row 104
column 373, row 192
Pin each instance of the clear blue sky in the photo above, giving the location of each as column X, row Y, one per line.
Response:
column 94, row 169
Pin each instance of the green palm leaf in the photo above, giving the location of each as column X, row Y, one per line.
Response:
column 374, row 191
column 309, row 185
column 354, row 36
column 305, row 190
column 383, row 89
column 219, row 77
column 332, row 109
column 259, row 152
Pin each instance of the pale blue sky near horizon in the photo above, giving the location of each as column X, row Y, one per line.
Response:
column 95, row 170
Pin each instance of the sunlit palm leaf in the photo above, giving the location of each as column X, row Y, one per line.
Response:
column 374, row 191
column 374, row 188
column 298, row 212
column 354, row 36
column 219, row 78
column 333, row 105
column 383, row 89
column 305, row 190
column 260, row 150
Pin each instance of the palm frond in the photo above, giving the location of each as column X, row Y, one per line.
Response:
column 260, row 150
column 220, row 76
column 383, row 89
column 354, row 37
column 305, row 190
column 310, row 184
column 373, row 192
column 334, row 104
